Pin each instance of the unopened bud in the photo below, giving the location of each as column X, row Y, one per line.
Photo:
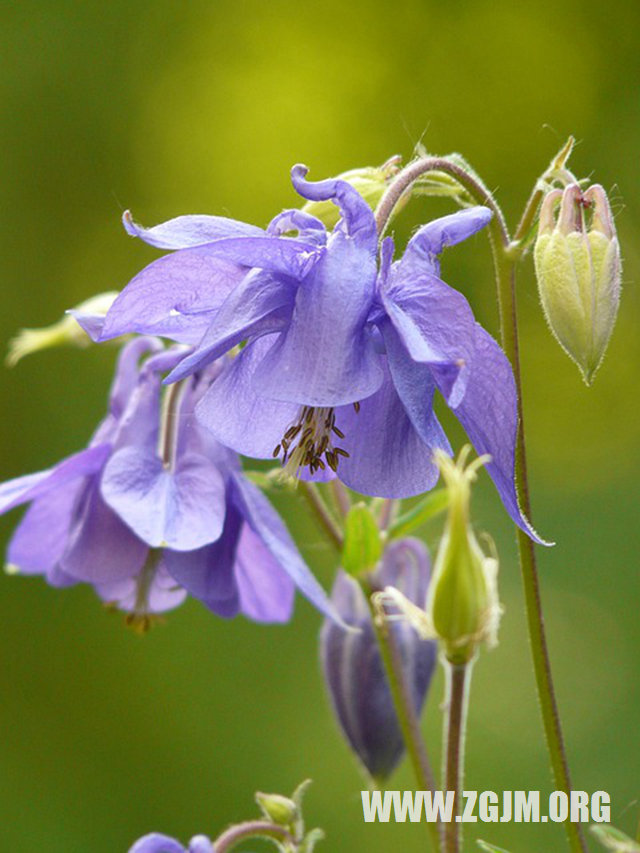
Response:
column 352, row 665
column 65, row 331
column 462, row 605
column 279, row 809
column 578, row 272
column 370, row 181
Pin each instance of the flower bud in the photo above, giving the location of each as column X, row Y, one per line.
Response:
column 369, row 181
column 279, row 809
column 578, row 272
column 65, row 331
column 462, row 605
column 353, row 669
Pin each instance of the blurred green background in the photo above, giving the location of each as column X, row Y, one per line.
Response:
column 184, row 107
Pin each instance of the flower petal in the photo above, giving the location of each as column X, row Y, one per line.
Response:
column 208, row 573
column 200, row 844
column 279, row 255
column 387, row 457
column 181, row 508
column 186, row 231
column 259, row 305
column 93, row 324
column 436, row 325
column 358, row 216
column 421, row 254
column 163, row 594
column 155, row 842
column 489, row 414
column 269, row 527
column 128, row 371
column 266, row 591
column 326, row 357
column 32, row 486
column 415, row 386
column 101, row 548
column 308, row 227
column 40, row 539
column 236, row 415
column 175, row 296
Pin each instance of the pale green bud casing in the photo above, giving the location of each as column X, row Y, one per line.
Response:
column 279, row 809
column 370, row 181
column 578, row 273
column 65, row 332
column 462, row 603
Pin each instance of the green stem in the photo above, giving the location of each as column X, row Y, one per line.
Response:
column 505, row 256
column 387, row 513
column 341, row 497
column 407, row 717
column 413, row 171
column 252, row 829
column 505, row 279
column 321, row 513
column 458, row 679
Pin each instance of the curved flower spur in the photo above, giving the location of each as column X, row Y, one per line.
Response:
column 155, row 508
column 341, row 361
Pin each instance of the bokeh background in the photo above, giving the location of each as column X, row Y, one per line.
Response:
column 178, row 107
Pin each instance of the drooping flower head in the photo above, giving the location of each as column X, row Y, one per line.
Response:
column 156, row 842
column 342, row 353
column 155, row 507
column 352, row 665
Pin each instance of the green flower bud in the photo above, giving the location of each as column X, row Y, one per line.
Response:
column 371, row 182
column 65, row 331
column 279, row 809
column 578, row 272
column 462, row 602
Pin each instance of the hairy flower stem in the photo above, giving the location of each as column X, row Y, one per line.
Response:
column 407, row 717
column 387, row 513
column 505, row 256
column 413, row 171
column 458, row 679
column 341, row 498
column 322, row 514
column 252, row 829
column 505, row 274
column 392, row 661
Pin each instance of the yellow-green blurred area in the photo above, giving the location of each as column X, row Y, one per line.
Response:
column 203, row 107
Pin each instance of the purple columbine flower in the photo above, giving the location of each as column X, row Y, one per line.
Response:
column 155, row 842
column 155, row 507
column 352, row 665
column 342, row 359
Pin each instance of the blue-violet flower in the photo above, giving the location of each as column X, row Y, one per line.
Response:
column 342, row 359
column 155, row 507
column 155, row 842
column 353, row 668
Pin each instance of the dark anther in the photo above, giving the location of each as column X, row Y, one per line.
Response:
column 331, row 460
column 293, row 431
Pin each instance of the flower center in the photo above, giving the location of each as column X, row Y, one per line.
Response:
column 308, row 443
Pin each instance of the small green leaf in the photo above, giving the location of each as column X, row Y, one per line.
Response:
column 429, row 507
column 310, row 840
column 489, row 848
column 362, row 542
column 615, row 840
